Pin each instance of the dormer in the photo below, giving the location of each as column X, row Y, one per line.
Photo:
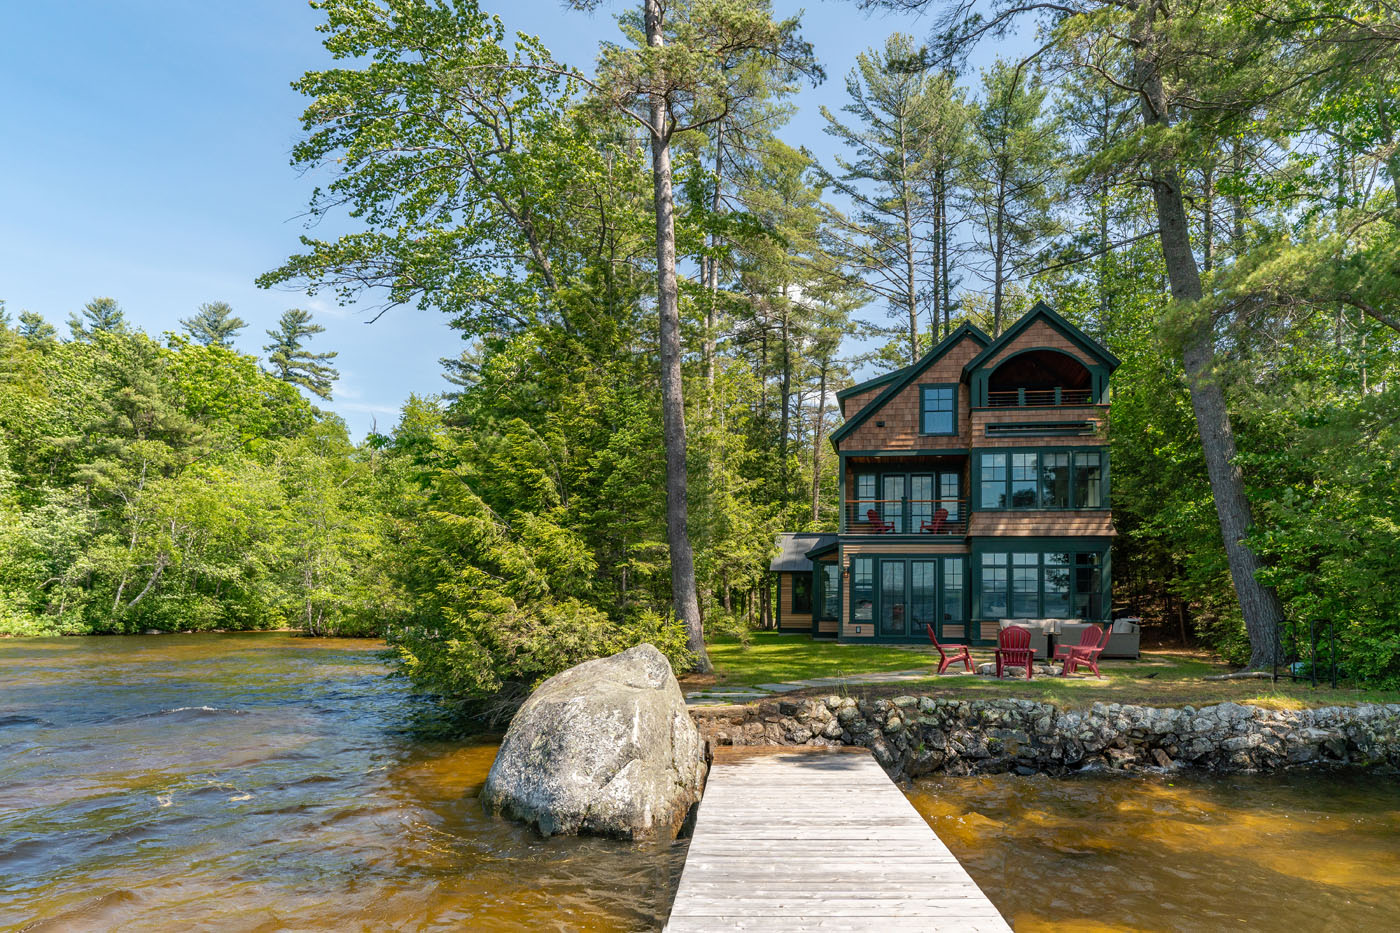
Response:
column 1041, row 361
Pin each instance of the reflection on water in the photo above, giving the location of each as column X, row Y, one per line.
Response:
column 1300, row 851
column 264, row 782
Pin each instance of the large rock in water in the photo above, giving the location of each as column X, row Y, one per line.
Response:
column 605, row 748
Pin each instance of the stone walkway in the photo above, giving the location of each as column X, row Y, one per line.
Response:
column 720, row 695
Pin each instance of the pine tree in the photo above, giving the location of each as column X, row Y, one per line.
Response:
column 101, row 315
column 34, row 328
column 291, row 362
column 214, row 324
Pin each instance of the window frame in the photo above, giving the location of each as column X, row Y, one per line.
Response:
column 923, row 394
column 1008, row 468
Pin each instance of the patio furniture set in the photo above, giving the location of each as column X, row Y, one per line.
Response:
column 1019, row 646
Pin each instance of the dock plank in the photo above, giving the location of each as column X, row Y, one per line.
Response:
column 812, row 840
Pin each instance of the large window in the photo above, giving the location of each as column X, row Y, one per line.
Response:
column 994, row 586
column 894, row 616
column 831, row 591
column 1043, row 479
column 923, row 581
column 802, row 592
column 863, row 589
column 1053, row 585
column 1054, row 481
column 1025, row 586
column 1088, row 483
column 939, row 409
column 994, row 481
column 953, row 589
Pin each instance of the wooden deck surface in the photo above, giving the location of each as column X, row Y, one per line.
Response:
column 819, row 840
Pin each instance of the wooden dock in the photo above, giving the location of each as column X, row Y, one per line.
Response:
column 819, row 839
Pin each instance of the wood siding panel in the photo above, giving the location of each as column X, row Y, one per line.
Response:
column 791, row 619
column 1032, row 524
column 901, row 413
column 1040, row 334
column 854, row 403
column 1096, row 414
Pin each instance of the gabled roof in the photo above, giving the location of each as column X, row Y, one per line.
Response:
column 907, row 375
column 870, row 384
column 1043, row 311
column 793, row 548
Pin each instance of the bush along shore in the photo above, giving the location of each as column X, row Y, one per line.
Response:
column 912, row 736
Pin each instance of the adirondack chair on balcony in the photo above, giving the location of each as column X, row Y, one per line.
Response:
column 935, row 527
column 950, row 655
column 878, row 526
column 1014, row 650
column 1092, row 642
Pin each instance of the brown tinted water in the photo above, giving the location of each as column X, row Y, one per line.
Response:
column 266, row 782
column 1299, row 852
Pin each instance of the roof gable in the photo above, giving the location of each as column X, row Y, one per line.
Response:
column 1043, row 312
column 908, row 374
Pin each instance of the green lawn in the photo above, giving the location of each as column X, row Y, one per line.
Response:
column 1159, row 678
column 774, row 658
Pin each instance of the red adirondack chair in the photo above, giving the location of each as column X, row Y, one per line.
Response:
column 878, row 525
column 1088, row 638
column 951, row 654
column 940, row 518
column 1086, row 653
column 1014, row 650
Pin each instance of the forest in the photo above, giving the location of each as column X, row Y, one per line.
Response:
column 660, row 297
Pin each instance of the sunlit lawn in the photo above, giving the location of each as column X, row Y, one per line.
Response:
column 1159, row 678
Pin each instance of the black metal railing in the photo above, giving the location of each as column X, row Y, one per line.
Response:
column 1302, row 660
column 906, row 516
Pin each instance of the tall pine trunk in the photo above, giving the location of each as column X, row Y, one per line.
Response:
column 817, row 442
column 1258, row 603
column 686, row 604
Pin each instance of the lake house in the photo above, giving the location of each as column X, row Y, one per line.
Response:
column 974, row 487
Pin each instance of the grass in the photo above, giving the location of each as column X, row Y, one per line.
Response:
column 1159, row 678
column 773, row 658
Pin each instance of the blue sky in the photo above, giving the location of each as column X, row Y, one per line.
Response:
column 144, row 155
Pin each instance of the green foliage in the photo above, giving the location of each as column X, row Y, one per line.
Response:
column 292, row 362
column 214, row 324
column 101, row 315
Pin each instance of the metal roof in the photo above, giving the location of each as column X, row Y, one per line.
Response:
column 793, row 548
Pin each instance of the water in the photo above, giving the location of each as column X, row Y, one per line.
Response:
column 1300, row 851
column 266, row 782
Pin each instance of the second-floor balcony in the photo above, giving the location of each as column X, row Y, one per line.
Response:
column 906, row 516
column 1055, row 397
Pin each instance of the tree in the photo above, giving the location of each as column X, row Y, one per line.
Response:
column 289, row 359
column 99, row 316
column 214, row 324
column 1014, row 173
column 34, row 328
column 902, row 135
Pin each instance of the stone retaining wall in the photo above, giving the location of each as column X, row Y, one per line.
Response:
column 912, row 736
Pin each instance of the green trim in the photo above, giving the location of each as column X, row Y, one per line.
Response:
column 868, row 384
column 921, row 637
column 820, row 551
column 841, row 491
column 923, row 386
column 909, row 373
column 975, row 478
column 1086, row 545
column 1043, row 310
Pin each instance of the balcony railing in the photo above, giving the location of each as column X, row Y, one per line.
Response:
column 906, row 516
column 1039, row 398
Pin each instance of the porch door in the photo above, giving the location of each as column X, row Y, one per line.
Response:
column 952, row 598
column 948, row 481
column 892, row 509
column 921, row 496
column 923, row 596
column 894, row 600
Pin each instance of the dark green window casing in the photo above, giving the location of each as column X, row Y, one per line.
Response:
column 938, row 408
column 1051, row 478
